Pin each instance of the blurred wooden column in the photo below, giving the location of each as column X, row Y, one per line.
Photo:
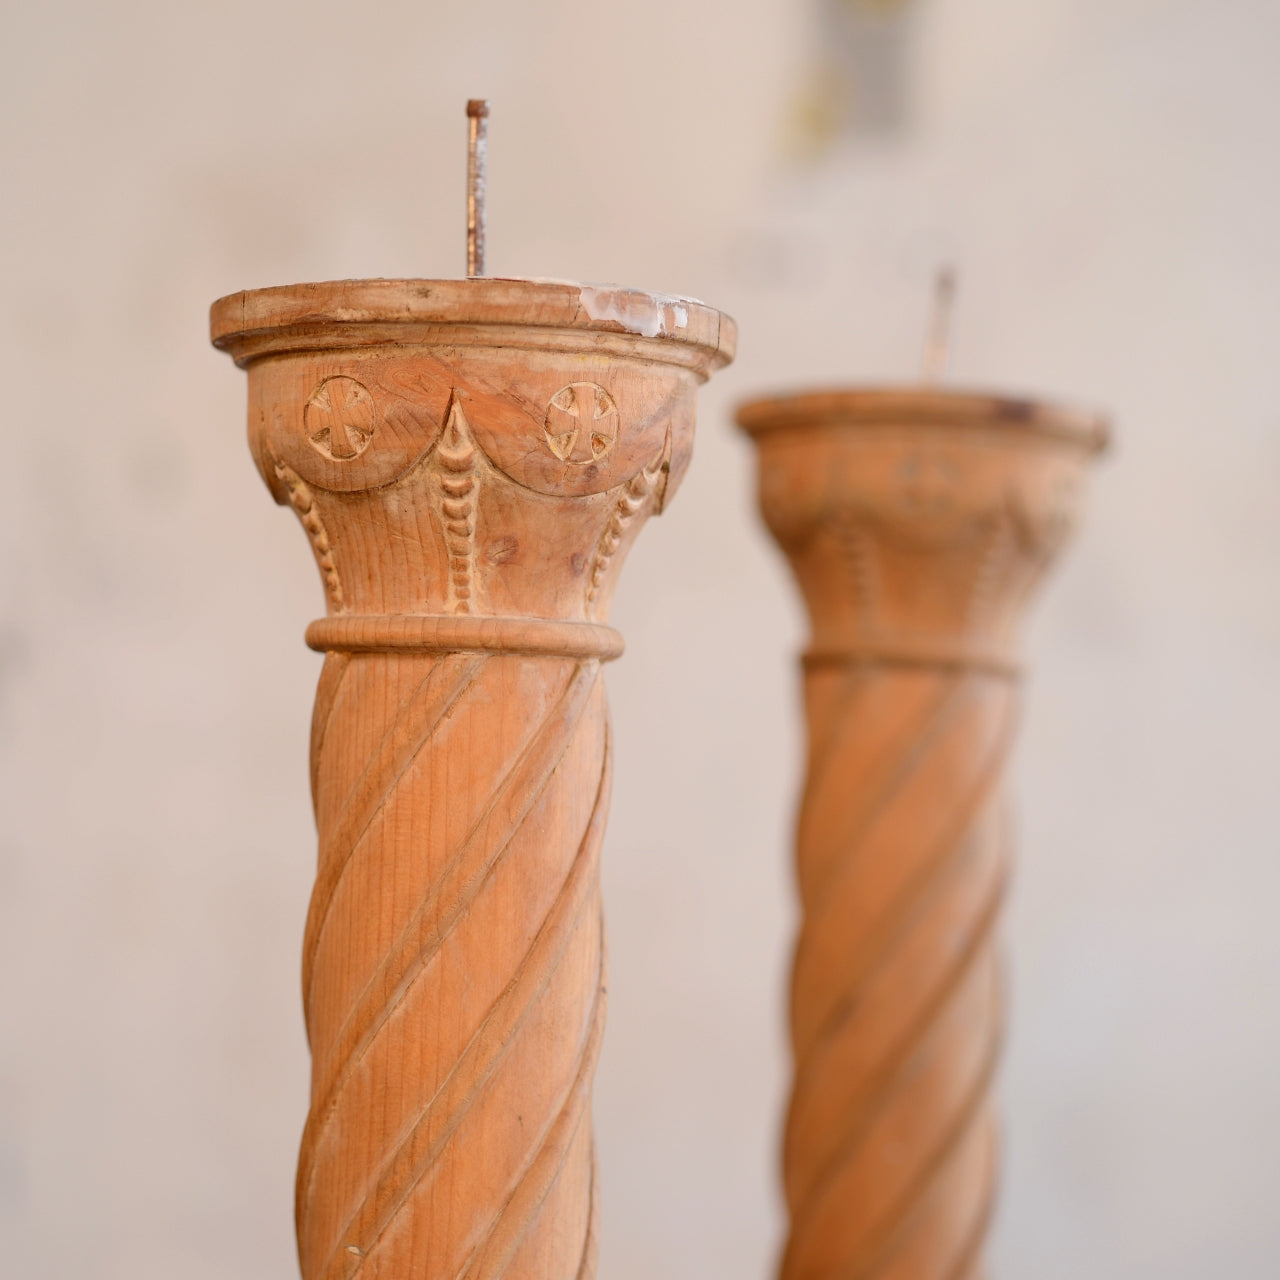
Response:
column 471, row 461
column 917, row 524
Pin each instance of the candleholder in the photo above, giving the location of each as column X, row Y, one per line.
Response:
column 471, row 461
column 917, row 524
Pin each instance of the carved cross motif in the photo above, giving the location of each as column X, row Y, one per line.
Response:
column 339, row 418
column 581, row 423
column 928, row 482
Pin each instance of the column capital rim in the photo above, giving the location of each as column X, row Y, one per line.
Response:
column 340, row 314
column 922, row 406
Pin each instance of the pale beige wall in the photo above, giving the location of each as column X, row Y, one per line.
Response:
column 1106, row 176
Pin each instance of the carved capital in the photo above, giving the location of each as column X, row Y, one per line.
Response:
column 507, row 440
column 918, row 523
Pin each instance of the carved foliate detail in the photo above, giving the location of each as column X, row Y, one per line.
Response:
column 992, row 567
column 857, row 545
column 633, row 497
column 302, row 500
column 459, row 480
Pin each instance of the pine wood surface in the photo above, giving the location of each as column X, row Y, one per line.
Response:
column 917, row 524
column 471, row 461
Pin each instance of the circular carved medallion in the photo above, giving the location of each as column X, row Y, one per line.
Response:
column 581, row 423
column 339, row 418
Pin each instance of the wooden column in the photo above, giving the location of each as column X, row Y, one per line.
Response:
column 917, row 525
column 471, row 461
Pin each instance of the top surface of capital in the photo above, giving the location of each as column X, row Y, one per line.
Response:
column 920, row 406
column 548, row 314
column 917, row 520
column 481, row 448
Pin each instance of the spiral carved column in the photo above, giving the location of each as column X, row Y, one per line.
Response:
column 917, row 525
column 471, row 461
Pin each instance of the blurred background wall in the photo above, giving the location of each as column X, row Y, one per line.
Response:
column 1105, row 177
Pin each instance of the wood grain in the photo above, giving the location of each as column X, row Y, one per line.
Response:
column 471, row 461
column 917, row 524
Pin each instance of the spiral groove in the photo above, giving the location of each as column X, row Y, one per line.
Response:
column 889, row 1155
column 454, row 967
